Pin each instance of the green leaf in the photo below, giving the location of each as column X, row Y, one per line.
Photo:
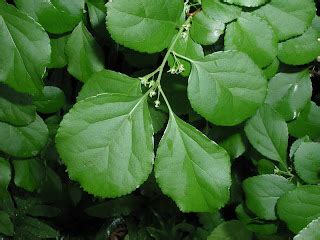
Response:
column 253, row 36
column 34, row 228
column 296, row 144
column 29, row 174
column 25, row 141
column 234, row 145
column 299, row 207
column 6, row 225
column 308, row 122
column 58, row 55
column 288, row 18
column 97, row 13
column 226, row 80
column 205, row 30
column 158, row 117
column 39, row 210
column 301, row 50
column 310, row 232
column 265, row 166
column 253, row 224
column 289, row 93
column 25, row 50
column 5, row 174
column 154, row 21
column 246, row 3
column 268, row 133
column 56, row 16
column 203, row 182
column 106, row 143
column 188, row 48
column 220, row 11
column 231, row 230
column 272, row 69
column 51, row 100
column 15, row 108
column 84, row 55
column 262, row 193
column 114, row 208
column 107, row 81
column 307, row 162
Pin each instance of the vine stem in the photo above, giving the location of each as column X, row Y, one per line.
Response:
column 182, row 57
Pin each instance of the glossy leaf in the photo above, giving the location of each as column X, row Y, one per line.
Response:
column 289, row 93
column 231, row 230
column 51, row 100
column 203, row 180
column 307, row 162
column 25, row 50
column 154, row 20
column 299, row 207
column 15, row 108
column 56, row 16
column 205, row 30
column 301, row 50
column 268, row 133
column 307, row 123
column 25, row 141
column 246, row 3
column 310, row 232
column 84, row 55
column 108, row 136
column 226, row 80
column 107, row 81
column 288, row 18
column 220, row 11
column 254, row 36
column 58, row 55
column 262, row 193
column 29, row 174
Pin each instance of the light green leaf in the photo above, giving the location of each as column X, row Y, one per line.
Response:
column 205, row 30
column 307, row 123
column 107, row 81
column 301, row 50
column 268, row 133
column 231, row 230
column 25, row 141
column 188, row 48
column 288, row 18
column 15, row 108
column 58, row 56
column 310, row 232
column 51, row 100
column 155, row 22
column 34, row 228
column 29, row 174
column 299, row 207
column 289, row 93
column 5, row 174
column 56, row 16
column 307, row 162
column 6, row 225
column 220, row 11
column 203, row 182
column 226, row 80
column 272, row 69
column 106, row 143
column 246, row 3
column 84, row 55
column 262, row 193
column 253, row 36
column 25, row 50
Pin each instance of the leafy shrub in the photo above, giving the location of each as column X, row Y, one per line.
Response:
column 159, row 119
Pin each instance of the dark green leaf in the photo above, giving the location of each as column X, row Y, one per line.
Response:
column 58, row 56
column 5, row 174
column 231, row 230
column 6, row 225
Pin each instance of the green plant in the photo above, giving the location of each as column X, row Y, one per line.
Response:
column 211, row 103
